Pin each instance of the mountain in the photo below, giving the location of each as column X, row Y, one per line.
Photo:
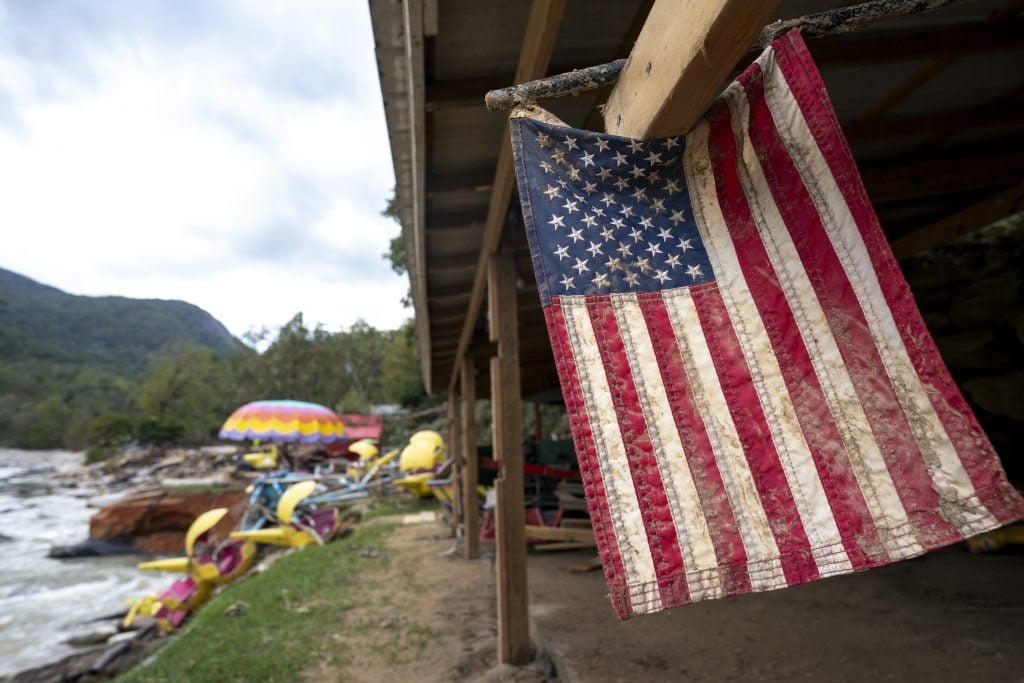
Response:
column 66, row 359
column 42, row 323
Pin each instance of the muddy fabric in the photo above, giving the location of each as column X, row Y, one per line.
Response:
column 755, row 400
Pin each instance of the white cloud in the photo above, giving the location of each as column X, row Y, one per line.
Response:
column 230, row 154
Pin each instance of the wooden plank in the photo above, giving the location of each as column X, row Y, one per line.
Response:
column 685, row 50
column 506, row 409
column 914, row 43
column 925, row 73
column 939, row 123
column 941, row 175
column 557, row 533
column 473, row 180
column 557, row 546
column 534, row 57
column 454, row 419
column 470, row 473
column 456, row 220
column 961, row 223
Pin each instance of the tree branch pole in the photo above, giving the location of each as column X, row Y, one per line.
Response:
column 832, row 22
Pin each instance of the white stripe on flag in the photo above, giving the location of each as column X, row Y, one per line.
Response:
column 867, row 462
column 683, row 499
column 630, row 534
column 794, row 453
column 950, row 478
column 763, row 562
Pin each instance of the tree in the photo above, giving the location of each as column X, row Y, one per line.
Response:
column 192, row 388
column 396, row 251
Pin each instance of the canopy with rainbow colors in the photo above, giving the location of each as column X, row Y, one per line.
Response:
column 284, row 421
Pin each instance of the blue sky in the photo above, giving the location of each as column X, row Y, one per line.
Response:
column 230, row 153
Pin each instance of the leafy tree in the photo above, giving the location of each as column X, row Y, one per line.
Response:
column 396, row 251
column 158, row 431
column 192, row 388
column 112, row 429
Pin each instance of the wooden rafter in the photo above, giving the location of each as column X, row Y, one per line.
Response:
column 685, row 51
column 933, row 68
column 940, row 175
column 961, row 223
column 534, row 57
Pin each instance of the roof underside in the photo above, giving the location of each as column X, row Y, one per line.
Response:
column 930, row 104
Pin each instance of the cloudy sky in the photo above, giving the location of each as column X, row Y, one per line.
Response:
column 230, row 153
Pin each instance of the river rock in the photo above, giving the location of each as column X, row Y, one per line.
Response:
column 93, row 548
column 97, row 637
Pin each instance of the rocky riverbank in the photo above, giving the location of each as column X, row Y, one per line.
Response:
column 52, row 506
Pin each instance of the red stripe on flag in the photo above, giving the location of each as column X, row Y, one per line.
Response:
column 744, row 404
column 643, row 463
column 700, row 457
column 590, row 469
column 972, row 444
column 849, row 326
column 850, row 330
column 752, row 428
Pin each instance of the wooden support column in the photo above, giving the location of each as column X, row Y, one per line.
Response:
column 506, row 407
column 685, row 50
column 470, row 511
column 456, row 455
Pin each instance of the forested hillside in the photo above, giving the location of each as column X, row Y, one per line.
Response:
column 66, row 359
column 77, row 371
column 42, row 323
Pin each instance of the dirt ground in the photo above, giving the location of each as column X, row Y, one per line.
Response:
column 948, row 616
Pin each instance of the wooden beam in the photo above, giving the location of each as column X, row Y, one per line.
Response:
column 448, row 291
column 451, row 262
column 915, row 43
column 470, row 471
column 942, row 123
column 534, row 57
column 455, row 220
column 961, row 223
column 934, row 176
column 473, row 180
column 686, row 49
column 548, row 533
column 461, row 93
column 454, row 419
column 933, row 68
column 506, row 409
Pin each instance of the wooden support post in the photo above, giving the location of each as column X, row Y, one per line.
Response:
column 470, row 510
column 455, row 453
column 685, row 50
column 506, row 406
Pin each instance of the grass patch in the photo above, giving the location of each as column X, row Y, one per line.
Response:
column 405, row 505
column 283, row 619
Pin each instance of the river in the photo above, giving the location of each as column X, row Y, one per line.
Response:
column 44, row 601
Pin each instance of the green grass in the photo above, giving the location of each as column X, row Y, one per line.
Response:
column 283, row 622
column 405, row 505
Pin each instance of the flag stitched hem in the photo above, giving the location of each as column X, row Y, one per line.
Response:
column 674, row 590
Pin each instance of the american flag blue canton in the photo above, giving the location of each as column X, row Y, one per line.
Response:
column 606, row 214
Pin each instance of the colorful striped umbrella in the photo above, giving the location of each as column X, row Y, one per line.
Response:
column 283, row 421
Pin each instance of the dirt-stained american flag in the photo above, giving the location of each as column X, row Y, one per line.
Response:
column 754, row 399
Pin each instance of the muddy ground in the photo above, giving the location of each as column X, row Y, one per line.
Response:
column 948, row 616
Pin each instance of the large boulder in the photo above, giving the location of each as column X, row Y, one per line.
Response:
column 156, row 522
